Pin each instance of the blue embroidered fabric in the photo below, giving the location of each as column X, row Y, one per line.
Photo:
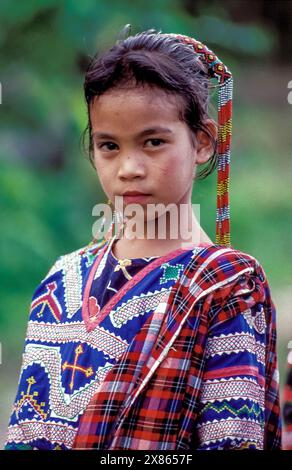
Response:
column 63, row 363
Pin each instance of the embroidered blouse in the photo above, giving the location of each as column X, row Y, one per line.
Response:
column 114, row 358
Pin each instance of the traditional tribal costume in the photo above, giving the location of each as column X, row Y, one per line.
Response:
column 173, row 352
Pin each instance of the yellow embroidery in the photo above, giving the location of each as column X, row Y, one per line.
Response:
column 122, row 264
column 87, row 371
column 27, row 396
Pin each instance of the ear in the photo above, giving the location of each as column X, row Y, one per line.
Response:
column 204, row 147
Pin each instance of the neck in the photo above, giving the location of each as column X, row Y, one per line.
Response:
column 161, row 235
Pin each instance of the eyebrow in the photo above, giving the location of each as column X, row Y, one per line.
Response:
column 145, row 132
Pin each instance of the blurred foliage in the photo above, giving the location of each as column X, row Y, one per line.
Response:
column 47, row 186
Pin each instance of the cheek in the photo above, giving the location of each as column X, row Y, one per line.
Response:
column 168, row 166
column 177, row 167
column 103, row 173
column 168, row 170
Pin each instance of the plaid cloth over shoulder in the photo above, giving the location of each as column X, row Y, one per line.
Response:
column 201, row 373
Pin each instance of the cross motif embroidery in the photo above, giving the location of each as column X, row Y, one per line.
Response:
column 86, row 371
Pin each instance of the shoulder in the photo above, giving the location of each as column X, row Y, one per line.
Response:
column 231, row 260
column 240, row 284
column 64, row 282
column 215, row 266
column 219, row 265
column 85, row 254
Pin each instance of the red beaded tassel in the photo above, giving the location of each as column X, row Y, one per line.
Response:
column 217, row 69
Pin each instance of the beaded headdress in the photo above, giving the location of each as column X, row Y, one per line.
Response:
column 216, row 69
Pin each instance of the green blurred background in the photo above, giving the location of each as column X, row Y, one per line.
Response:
column 47, row 185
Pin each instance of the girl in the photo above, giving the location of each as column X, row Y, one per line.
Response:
column 156, row 343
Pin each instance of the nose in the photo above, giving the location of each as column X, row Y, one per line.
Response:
column 131, row 166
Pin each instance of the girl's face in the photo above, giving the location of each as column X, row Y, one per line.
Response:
column 141, row 145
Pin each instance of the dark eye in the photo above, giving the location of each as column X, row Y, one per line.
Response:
column 109, row 145
column 155, row 142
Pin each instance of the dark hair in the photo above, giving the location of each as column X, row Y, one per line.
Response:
column 157, row 60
